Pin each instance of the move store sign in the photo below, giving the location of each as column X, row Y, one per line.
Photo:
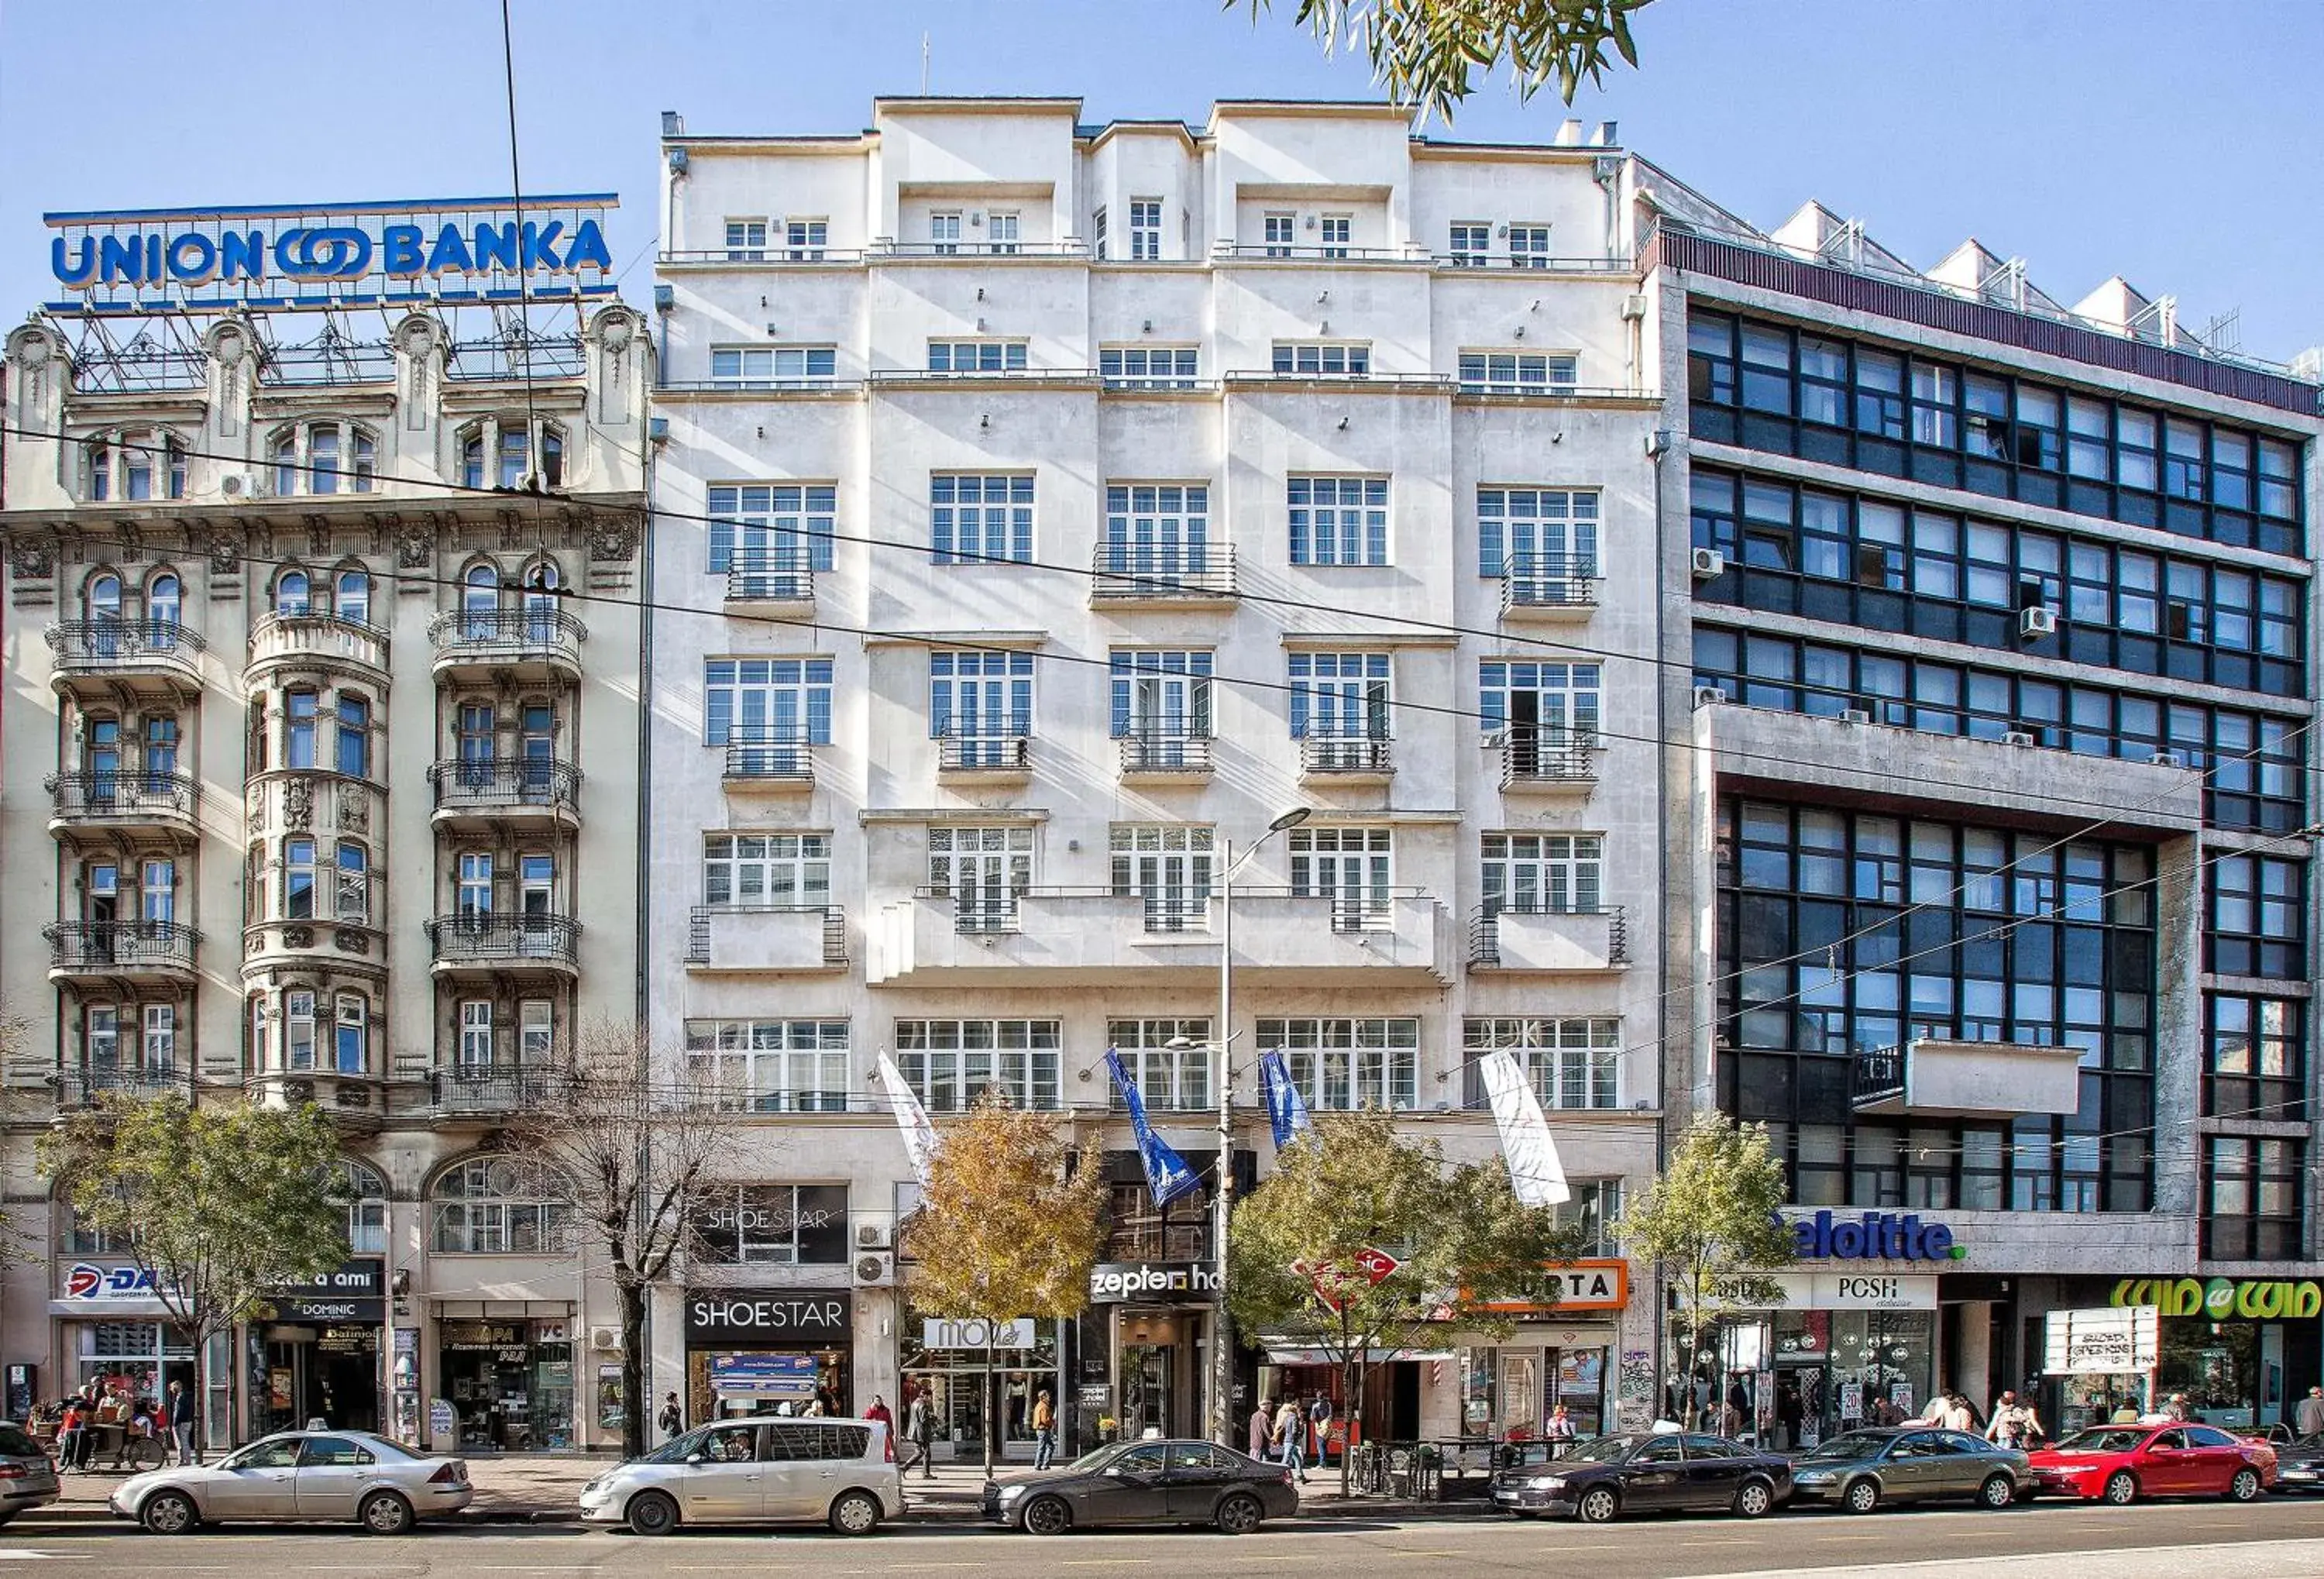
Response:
column 2221, row 1297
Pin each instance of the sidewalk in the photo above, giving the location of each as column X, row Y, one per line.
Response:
column 547, row 1489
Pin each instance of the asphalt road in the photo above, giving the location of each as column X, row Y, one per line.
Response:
column 2275, row 1539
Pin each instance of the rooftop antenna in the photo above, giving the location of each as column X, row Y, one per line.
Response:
column 924, row 65
column 2225, row 332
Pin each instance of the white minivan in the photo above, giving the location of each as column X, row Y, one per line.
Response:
column 762, row 1471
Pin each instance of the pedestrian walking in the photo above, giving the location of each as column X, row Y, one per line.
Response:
column 1262, row 1427
column 1319, row 1426
column 1558, row 1431
column 71, row 1430
column 2014, row 1425
column 920, row 1429
column 1290, row 1439
column 1044, row 1431
column 673, row 1418
column 2310, row 1417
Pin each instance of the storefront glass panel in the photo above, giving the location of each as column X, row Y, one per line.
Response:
column 510, row 1382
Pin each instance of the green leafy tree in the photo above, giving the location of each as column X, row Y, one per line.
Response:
column 1352, row 1188
column 219, row 1206
column 1424, row 52
column 1007, row 1227
column 1710, row 1226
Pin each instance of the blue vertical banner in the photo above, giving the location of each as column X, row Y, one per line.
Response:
column 1287, row 1109
column 1167, row 1177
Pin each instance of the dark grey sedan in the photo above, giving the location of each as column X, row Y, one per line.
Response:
column 1145, row 1482
column 1863, row 1468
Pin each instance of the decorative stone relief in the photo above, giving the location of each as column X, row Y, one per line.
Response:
column 33, row 571
column 349, row 940
column 298, row 938
column 355, row 810
column 298, row 806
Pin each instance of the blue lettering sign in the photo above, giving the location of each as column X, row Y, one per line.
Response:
column 1874, row 1236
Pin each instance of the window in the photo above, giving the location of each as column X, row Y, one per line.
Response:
column 321, row 458
column 983, row 870
column 1097, row 236
column 769, row 871
column 160, row 750
column 1157, row 528
column 769, row 707
column 769, row 1065
column 101, row 1044
column 354, row 735
column 976, row 516
column 1000, row 231
column 980, row 695
column 2257, row 1064
column 1336, row 227
column 1147, row 366
column 474, row 1049
column 944, row 231
column 1538, row 874
column 772, row 366
column 2258, row 925
column 2253, row 1199
column 351, row 1049
column 1280, row 230
column 1169, row 1079
column 99, row 461
column 1345, row 1064
column 976, row 355
column 159, row 1050
column 1529, row 246
column 1572, row 1063
column 479, row 603
column 499, row 1206
column 158, row 891
column 1537, row 534
column 299, row 879
column 1164, row 695
column 1353, row 867
column 351, row 600
column 1144, row 229
column 293, row 594
column 1337, row 521
column 772, row 529
column 299, row 1030
column 1515, row 372
column 354, row 899
column 746, row 240
column 1340, row 695
column 772, row 1225
column 536, row 1031
column 1551, row 703
column 472, row 884
column 950, row 1064
column 1471, row 241
column 1320, row 359
column 1168, row 866
column 806, row 238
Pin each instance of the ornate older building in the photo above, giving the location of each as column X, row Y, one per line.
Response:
column 284, row 624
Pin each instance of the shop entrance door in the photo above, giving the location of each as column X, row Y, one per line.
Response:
column 1149, row 1389
column 329, row 1373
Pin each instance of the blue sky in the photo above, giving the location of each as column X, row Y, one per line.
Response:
column 2077, row 134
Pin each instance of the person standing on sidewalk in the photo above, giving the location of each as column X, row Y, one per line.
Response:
column 2309, row 1418
column 1044, row 1431
column 920, row 1429
column 880, row 1412
column 181, row 1423
column 1291, row 1438
column 1262, row 1427
column 1319, row 1426
column 71, row 1426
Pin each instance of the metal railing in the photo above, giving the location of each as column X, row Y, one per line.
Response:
column 1325, row 755
column 102, row 643
column 1166, row 907
column 1485, row 940
column 1535, row 264
column 1423, row 381
column 496, row 937
column 126, row 795
column 930, row 376
column 703, row 918
column 1875, row 1074
column 1155, row 751
column 1548, row 581
column 807, row 386
column 85, row 1087
column 1315, row 253
column 1004, row 753
column 491, row 1089
column 127, row 946
column 771, row 755
column 506, row 784
column 887, row 247
column 1160, row 571
column 1542, row 756
column 495, row 635
column 775, row 580
column 771, row 254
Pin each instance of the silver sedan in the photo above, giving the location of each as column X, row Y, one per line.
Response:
column 334, row 1477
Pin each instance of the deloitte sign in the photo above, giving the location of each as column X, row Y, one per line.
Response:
column 1874, row 1236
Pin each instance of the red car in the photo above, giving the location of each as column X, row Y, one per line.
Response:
column 2121, row 1463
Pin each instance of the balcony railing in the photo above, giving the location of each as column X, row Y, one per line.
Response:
column 772, row 254
column 703, row 920
column 102, row 647
column 1325, row 756
column 1313, row 253
column 768, row 580
column 508, row 636
column 999, row 752
column 319, row 635
column 125, row 795
column 1553, row 582
column 770, row 756
column 1485, row 931
column 506, row 784
column 121, row 946
column 1548, row 759
column 1166, row 907
column 484, row 937
column 1875, row 1074
column 887, row 247
column 1159, row 573
column 1148, row 751
column 88, row 1086
column 492, row 1088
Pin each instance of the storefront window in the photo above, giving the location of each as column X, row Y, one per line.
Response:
column 510, row 1382
column 497, row 1205
column 970, row 1385
column 780, row 1224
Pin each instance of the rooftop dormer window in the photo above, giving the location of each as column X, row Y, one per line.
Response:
column 323, row 458
column 132, row 466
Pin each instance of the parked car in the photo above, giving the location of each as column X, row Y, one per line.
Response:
column 1864, row 1469
column 2277, row 1435
column 805, row 1471
column 338, row 1477
column 27, row 1479
column 1145, row 1482
column 2299, row 1464
column 2121, row 1463
column 1637, row 1472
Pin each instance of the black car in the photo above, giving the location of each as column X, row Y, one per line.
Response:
column 1647, row 1472
column 2299, row 1464
column 1145, row 1482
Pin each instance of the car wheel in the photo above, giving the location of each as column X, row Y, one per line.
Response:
column 1048, row 1516
column 1997, row 1493
column 385, row 1513
column 651, row 1513
column 1754, row 1499
column 169, row 1514
column 2121, row 1489
column 855, row 1513
column 1862, row 1496
column 1239, row 1515
column 2245, row 1487
column 1598, row 1505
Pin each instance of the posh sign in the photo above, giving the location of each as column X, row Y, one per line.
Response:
column 407, row 253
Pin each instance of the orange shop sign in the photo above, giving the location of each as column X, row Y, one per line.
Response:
column 1594, row 1285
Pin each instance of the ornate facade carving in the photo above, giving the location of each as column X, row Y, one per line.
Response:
column 298, row 806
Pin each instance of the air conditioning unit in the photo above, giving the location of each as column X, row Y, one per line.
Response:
column 1855, row 716
column 875, row 1272
column 1708, row 563
column 2168, row 758
column 2017, row 737
column 235, row 485
column 872, row 1236
column 607, row 1338
column 1633, row 307
column 1709, row 696
column 2036, row 621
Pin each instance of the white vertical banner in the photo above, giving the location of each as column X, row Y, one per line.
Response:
column 1534, row 1171
column 912, row 1119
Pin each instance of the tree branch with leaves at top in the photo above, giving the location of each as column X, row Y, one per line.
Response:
column 1425, row 52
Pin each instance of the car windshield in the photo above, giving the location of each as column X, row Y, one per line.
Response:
column 1856, row 1444
column 1098, row 1458
column 2103, row 1439
column 1601, row 1450
column 2313, row 1439
column 678, row 1449
column 16, row 1440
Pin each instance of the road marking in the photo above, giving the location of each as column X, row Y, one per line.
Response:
column 22, row 1556
column 1102, row 1562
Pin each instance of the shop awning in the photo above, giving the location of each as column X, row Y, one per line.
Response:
column 1288, row 1354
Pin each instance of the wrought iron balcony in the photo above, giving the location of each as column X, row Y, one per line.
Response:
column 498, row 939
column 1166, row 754
column 122, row 948
column 769, row 758
column 766, row 937
column 772, row 579
column 506, row 787
column 161, row 653
column 130, row 801
column 491, row 1089
column 1534, row 758
column 90, row 1084
column 1172, row 574
column 999, row 752
column 1532, row 935
column 1332, row 756
column 1557, row 585
column 527, row 640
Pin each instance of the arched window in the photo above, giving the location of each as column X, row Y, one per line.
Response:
column 365, row 1193
column 137, row 470
column 164, row 599
column 540, row 586
column 472, row 463
column 337, row 457
column 293, row 593
column 498, row 1205
column 175, row 453
column 286, row 464
column 480, row 601
column 103, row 596
column 323, row 458
column 513, row 451
column 100, row 471
column 354, row 596
column 367, row 459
